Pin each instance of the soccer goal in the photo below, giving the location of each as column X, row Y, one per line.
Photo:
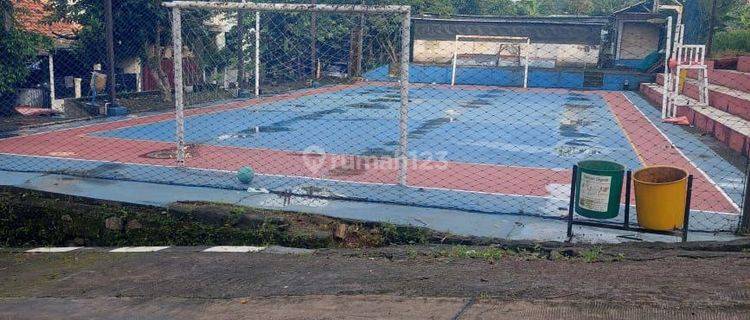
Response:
column 306, row 57
column 491, row 51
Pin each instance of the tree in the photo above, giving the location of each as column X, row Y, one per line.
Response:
column 18, row 48
column 142, row 29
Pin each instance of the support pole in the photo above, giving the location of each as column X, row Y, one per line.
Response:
column 178, row 90
column 361, row 43
column 686, row 219
column 404, row 111
column 571, row 204
column 526, row 64
column 257, row 53
column 667, row 77
column 745, row 219
column 240, row 51
column 626, row 218
column 110, row 50
column 314, row 42
column 51, row 69
column 455, row 62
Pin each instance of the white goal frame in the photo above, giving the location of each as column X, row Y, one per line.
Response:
column 404, row 12
column 524, row 44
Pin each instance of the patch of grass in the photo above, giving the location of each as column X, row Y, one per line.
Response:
column 732, row 41
column 592, row 254
column 32, row 218
column 411, row 253
column 485, row 253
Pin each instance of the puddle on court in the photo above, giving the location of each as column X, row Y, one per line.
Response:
column 579, row 142
column 571, row 131
column 391, row 143
column 263, row 129
column 574, row 118
column 371, row 106
column 427, row 127
column 317, row 115
column 489, row 96
column 280, row 126
column 476, row 103
column 386, row 99
column 378, row 153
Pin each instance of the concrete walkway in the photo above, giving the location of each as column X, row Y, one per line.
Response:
column 511, row 227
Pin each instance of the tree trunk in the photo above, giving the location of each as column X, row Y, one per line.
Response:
column 711, row 27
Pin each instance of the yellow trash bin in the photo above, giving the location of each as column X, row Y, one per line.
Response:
column 660, row 193
column 681, row 79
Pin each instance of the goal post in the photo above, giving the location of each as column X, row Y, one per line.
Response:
column 496, row 47
column 397, row 15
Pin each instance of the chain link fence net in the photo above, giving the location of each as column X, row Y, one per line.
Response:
column 491, row 116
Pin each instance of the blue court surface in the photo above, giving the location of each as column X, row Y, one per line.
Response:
column 509, row 149
column 500, row 126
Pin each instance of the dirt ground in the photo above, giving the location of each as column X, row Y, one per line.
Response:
column 706, row 278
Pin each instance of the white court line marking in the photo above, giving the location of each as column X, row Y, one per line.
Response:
column 53, row 249
column 240, row 249
column 138, row 249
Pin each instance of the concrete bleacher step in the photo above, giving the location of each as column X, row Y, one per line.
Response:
column 726, row 99
column 728, row 128
column 743, row 64
column 732, row 79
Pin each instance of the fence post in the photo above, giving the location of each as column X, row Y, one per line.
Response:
column 178, row 92
column 257, row 53
column 404, row 112
column 110, row 50
column 745, row 218
column 240, row 51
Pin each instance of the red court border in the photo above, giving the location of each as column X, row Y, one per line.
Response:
column 648, row 142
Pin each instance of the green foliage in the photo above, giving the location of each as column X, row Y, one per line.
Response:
column 18, row 48
column 399, row 234
column 592, row 254
column 737, row 41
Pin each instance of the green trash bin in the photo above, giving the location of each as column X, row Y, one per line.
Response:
column 599, row 187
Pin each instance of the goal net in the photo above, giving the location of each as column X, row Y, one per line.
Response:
column 491, row 51
column 295, row 71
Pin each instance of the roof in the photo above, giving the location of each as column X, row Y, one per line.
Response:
column 640, row 7
column 554, row 19
column 36, row 16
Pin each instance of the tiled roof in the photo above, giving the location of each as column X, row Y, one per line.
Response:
column 35, row 16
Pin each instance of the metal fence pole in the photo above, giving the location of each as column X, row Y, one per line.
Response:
column 109, row 29
column 240, row 51
column 745, row 219
column 257, row 53
column 667, row 54
column 178, row 92
column 404, row 112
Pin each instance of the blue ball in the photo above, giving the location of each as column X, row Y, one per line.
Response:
column 245, row 175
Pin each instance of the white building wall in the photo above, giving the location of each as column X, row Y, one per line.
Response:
column 541, row 54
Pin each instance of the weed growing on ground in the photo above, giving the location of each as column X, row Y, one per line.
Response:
column 412, row 253
column 591, row 255
column 489, row 254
